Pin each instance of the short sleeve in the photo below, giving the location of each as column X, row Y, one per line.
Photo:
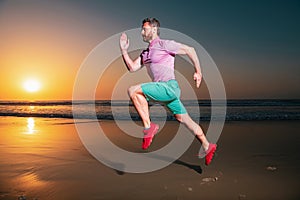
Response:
column 171, row 46
column 144, row 57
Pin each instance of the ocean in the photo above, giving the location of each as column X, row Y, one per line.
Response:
column 236, row 110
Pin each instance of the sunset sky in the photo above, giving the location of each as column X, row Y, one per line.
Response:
column 255, row 44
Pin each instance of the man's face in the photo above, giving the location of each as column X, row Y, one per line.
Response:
column 147, row 32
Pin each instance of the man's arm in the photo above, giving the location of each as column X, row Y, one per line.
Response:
column 191, row 53
column 131, row 65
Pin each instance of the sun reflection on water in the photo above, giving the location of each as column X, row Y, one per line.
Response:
column 31, row 108
column 30, row 125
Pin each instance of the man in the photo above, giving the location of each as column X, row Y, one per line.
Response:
column 159, row 60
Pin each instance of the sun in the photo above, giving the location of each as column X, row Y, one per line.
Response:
column 31, row 85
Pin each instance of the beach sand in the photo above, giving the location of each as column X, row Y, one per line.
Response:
column 44, row 159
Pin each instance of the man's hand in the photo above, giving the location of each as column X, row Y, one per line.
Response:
column 124, row 42
column 197, row 78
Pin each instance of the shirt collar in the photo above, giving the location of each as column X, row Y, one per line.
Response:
column 154, row 41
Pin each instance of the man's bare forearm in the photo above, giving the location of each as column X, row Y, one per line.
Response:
column 131, row 65
column 191, row 53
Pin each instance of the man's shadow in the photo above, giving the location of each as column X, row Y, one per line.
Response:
column 196, row 168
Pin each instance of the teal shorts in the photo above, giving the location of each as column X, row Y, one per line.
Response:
column 166, row 92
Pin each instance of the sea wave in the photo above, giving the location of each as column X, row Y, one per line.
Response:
column 237, row 110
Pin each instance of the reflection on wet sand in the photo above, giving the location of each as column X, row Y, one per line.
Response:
column 51, row 163
column 34, row 152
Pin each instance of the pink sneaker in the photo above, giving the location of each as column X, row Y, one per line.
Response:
column 210, row 153
column 149, row 134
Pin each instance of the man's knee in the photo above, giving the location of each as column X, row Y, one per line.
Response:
column 134, row 90
column 179, row 117
column 183, row 118
column 130, row 91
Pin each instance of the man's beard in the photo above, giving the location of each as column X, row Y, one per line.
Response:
column 147, row 38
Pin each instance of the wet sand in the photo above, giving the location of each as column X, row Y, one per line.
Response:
column 44, row 159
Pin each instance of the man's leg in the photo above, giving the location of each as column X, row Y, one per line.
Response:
column 209, row 148
column 193, row 127
column 140, row 103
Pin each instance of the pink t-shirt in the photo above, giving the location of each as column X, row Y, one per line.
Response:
column 159, row 59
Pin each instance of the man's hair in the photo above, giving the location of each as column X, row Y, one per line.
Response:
column 153, row 22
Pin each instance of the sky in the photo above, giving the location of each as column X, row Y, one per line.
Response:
column 255, row 44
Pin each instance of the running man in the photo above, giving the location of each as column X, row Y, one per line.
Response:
column 159, row 60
